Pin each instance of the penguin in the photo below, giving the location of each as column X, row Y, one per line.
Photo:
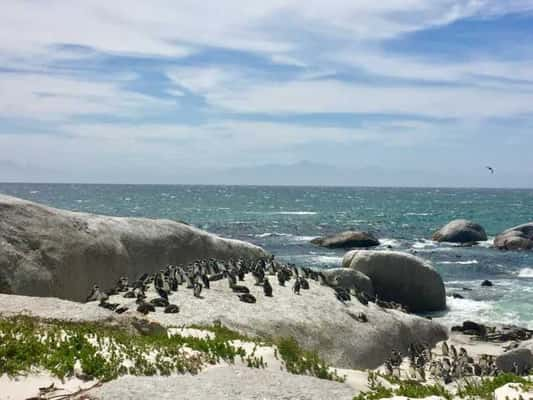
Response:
column 205, row 281
column 159, row 302
column 388, row 368
column 281, row 278
column 247, row 298
column 162, row 293
column 445, row 349
column 172, row 309
column 145, row 308
column 109, row 306
column 267, row 287
column 240, row 289
column 296, row 286
column 121, row 310
column 216, row 277
column 304, row 283
column 96, row 295
column 453, row 352
column 197, row 290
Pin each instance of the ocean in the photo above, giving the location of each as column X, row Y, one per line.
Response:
column 284, row 219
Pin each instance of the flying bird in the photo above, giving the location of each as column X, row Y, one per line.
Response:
column 490, row 169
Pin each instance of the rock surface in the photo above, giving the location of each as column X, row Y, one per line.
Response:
column 460, row 231
column 50, row 252
column 522, row 356
column 347, row 239
column 400, row 277
column 518, row 238
column 220, row 383
column 349, row 279
column 315, row 318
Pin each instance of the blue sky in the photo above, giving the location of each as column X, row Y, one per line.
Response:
column 188, row 91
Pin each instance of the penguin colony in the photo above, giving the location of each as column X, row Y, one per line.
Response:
column 447, row 366
column 198, row 275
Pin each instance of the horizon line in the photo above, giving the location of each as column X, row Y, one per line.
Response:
column 268, row 185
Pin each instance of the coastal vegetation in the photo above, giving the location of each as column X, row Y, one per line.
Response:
column 480, row 389
column 97, row 351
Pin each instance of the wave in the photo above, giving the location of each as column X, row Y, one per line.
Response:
column 285, row 235
column 415, row 214
column 424, row 244
column 468, row 262
column 487, row 243
column 386, row 242
column 327, row 259
column 282, row 212
column 525, row 273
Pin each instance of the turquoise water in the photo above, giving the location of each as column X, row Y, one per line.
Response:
column 284, row 219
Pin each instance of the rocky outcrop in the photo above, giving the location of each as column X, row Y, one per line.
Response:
column 348, row 278
column 521, row 358
column 400, row 277
column 315, row 318
column 50, row 252
column 225, row 383
column 518, row 238
column 347, row 240
column 460, row 231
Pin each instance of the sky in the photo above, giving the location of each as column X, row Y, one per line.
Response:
column 355, row 92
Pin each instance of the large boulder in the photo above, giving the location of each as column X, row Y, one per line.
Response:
column 50, row 252
column 400, row 277
column 224, row 383
column 522, row 357
column 315, row 318
column 348, row 278
column 518, row 238
column 460, row 231
column 347, row 239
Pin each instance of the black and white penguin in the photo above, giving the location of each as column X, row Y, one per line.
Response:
column 172, row 309
column 197, row 290
column 267, row 287
column 296, row 286
column 145, row 308
column 96, row 295
column 247, row 298
column 159, row 302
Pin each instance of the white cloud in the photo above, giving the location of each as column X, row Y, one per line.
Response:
column 49, row 97
column 334, row 96
column 169, row 28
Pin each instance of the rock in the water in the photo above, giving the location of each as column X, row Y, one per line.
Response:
column 487, row 283
column 460, row 231
column 49, row 252
column 400, row 277
column 348, row 278
column 517, row 238
column 347, row 239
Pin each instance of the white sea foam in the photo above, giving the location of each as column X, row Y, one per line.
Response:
column 460, row 310
column 424, row 244
column 282, row 212
column 525, row 273
column 294, row 212
column 34, row 191
column 467, row 262
column 285, row 235
column 328, row 259
column 487, row 243
column 386, row 242
column 415, row 214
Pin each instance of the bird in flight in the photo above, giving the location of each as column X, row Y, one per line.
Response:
column 490, row 169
